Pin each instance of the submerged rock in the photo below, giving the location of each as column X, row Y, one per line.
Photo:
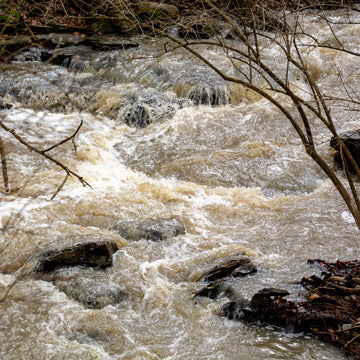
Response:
column 88, row 299
column 154, row 230
column 89, row 335
column 90, row 254
column 59, row 267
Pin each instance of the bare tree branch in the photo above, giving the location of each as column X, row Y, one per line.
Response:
column 71, row 137
column 4, row 166
column 43, row 153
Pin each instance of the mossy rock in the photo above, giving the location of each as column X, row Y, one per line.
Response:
column 12, row 17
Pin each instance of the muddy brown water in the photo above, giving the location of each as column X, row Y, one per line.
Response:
column 235, row 175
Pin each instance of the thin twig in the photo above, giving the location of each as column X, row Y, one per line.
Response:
column 4, row 166
column 61, row 186
column 352, row 340
column 64, row 141
column 42, row 153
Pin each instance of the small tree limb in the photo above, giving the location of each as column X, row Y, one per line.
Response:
column 43, row 153
column 65, row 140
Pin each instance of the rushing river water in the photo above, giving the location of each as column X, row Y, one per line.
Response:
column 235, row 175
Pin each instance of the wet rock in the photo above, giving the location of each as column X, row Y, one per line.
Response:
column 154, row 230
column 4, row 105
column 209, row 96
column 76, row 58
column 95, row 254
column 56, row 58
column 351, row 139
column 211, row 291
column 89, row 335
column 265, row 307
column 141, row 113
column 138, row 115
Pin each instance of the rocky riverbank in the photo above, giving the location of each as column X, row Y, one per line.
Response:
column 23, row 22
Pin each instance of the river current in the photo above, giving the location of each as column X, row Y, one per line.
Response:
column 235, row 175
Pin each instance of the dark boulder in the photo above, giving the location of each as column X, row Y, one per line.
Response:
column 143, row 111
column 94, row 254
column 351, row 139
column 150, row 230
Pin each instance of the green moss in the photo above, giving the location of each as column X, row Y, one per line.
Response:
column 13, row 17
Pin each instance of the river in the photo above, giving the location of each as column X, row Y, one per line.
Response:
column 235, row 175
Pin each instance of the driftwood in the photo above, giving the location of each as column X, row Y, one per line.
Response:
column 331, row 311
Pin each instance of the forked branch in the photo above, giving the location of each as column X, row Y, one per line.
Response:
column 44, row 153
